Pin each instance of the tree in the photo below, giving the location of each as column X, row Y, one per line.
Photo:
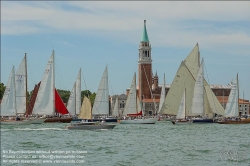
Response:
column 2, row 89
column 64, row 94
column 92, row 98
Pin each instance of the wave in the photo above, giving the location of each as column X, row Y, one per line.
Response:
column 30, row 129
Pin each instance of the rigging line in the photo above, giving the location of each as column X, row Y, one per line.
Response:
column 149, row 86
column 111, row 87
column 209, row 85
column 86, row 86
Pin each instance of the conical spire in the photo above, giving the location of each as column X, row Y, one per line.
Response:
column 144, row 34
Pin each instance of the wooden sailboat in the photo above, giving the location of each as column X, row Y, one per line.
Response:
column 185, row 78
column 131, row 108
column 181, row 116
column 86, row 113
column 48, row 102
column 231, row 115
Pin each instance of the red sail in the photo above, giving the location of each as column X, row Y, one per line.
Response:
column 138, row 114
column 59, row 105
column 32, row 99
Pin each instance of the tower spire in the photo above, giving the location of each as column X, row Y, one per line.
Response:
column 144, row 34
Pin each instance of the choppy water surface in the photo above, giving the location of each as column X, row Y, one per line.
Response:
column 140, row 145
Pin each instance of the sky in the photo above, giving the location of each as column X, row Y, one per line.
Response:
column 92, row 34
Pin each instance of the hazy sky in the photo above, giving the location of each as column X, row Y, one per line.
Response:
column 91, row 35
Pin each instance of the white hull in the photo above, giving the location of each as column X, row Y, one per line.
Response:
column 140, row 121
column 21, row 122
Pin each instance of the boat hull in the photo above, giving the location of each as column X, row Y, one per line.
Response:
column 13, row 122
column 140, row 121
column 182, row 122
column 203, row 121
column 56, row 119
column 234, row 122
column 90, row 126
column 38, row 120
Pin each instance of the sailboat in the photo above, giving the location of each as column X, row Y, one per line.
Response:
column 100, row 109
column 86, row 112
column 198, row 98
column 186, row 77
column 115, row 112
column 232, row 106
column 181, row 116
column 47, row 100
column 131, row 108
column 19, row 89
column 74, row 102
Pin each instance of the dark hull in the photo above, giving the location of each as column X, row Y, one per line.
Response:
column 90, row 126
column 234, row 122
column 56, row 119
column 203, row 121
column 106, row 120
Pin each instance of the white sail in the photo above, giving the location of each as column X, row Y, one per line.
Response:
column 116, row 108
column 8, row 104
column 131, row 105
column 198, row 97
column 44, row 104
column 20, row 81
column 101, row 103
column 163, row 94
column 181, row 111
column 74, row 103
column 232, row 107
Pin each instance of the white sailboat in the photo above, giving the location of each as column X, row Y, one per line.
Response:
column 115, row 112
column 131, row 108
column 48, row 100
column 101, row 103
column 12, row 102
column 101, row 107
column 163, row 95
column 232, row 106
column 74, row 102
column 181, row 116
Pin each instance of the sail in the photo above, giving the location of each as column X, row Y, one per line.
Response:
column 20, row 81
column 101, row 103
column 183, row 79
column 232, row 106
column 181, row 110
column 116, row 108
column 85, row 112
column 59, row 105
column 74, row 103
column 198, row 97
column 131, row 105
column 163, row 94
column 8, row 104
column 33, row 99
column 44, row 104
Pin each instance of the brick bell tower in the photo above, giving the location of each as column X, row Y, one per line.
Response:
column 145, row 66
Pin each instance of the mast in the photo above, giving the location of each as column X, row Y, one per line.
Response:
column 238, row 95
column 185, row 102
column 26, row 87
column 13, row 79
column 75, row 96
column 53, row 65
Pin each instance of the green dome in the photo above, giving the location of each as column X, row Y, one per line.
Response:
column 144, row 34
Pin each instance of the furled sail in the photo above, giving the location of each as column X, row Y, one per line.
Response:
column 101, row 103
